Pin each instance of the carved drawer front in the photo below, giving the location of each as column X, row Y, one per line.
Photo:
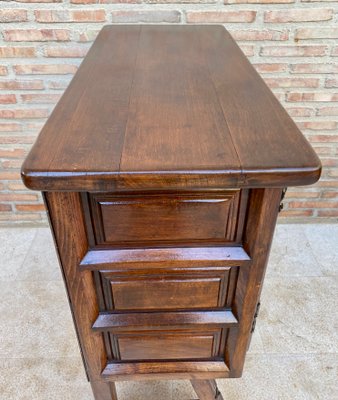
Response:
column 213, row 288
column 163, row 345
column 171, row 218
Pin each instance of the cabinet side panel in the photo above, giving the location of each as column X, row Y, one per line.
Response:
column 67, row 223
column 259, row 228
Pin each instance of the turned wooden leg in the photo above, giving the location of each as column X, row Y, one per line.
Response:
column 104, row 391
column 206, row 389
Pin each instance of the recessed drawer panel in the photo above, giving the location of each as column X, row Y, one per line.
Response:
column 152, row 219
column 162, row 345
column 213, row 288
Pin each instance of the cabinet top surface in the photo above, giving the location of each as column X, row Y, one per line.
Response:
column 168, row 107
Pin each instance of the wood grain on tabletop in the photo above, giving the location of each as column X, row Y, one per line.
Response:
column 168, row 107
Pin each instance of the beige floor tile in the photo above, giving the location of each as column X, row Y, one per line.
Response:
column 41, row 262
column 43, row 379
column 150, row 390
column 323, row 239
column 182, row 390
column 14, row 246
column 299, row 315
column 291, row 253
column 35, row 320
column 293, row 353
column 256, row 344
column 305, row 377
column 276, row 377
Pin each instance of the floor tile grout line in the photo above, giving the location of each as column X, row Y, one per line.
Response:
column 29, row 247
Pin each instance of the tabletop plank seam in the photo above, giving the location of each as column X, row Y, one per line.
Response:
column 130, row 98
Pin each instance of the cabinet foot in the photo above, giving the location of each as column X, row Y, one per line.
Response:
column 104, row 391
column 206, row 389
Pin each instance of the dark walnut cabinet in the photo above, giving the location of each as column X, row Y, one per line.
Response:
column 162, row 168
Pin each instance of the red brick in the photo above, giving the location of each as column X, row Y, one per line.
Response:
column 329, row 162
column 30, row 207
column 7, row 99
column 33, row 126
column 70, row 16
column 10, row 127
column 107, row 1
column 17, row 139
column 328, row 213
column 298, row 15
column 9, row 175
column 327, row 111
column 327, row 183
column 57, row 84
column 66, row 52
column 17, row 196
column 12, row 153
column 45, row 69
column 258, row 1
column 316, row 33
column 324, row 138
column 296, row 193
column 42, row 98
column 88, row 16
column 300, row 111
column 314, row 68
column 52, row 15
column 11, row 164
column 334, row 52
column 291, row 82
column 331, row 83
column 36, row 84
column 221, row 16
column 19, row 186
column 333, row 173
column 264, row 34
column 330, row 195
column 13, row 15
column 248, row 49
column 27, row 113
column 318, row 125
column 11, row 217
column 296, row 213
column 129, row 16
column 293, row 51
column 36, row 35
column 322, row 150
column 319, row 96
column 168, row 1
column 270, row 67
column 5, row 207
column 39, row 1
column 19, row 52
column 313, row 204
column 3, row 70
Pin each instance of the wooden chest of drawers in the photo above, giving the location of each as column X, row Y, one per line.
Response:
column 162, row 168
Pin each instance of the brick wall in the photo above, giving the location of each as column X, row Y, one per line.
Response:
column 292, row 43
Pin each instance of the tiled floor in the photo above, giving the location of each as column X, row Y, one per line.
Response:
column 293, row 354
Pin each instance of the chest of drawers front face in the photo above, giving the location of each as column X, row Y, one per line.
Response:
column 168, row 274
column 157, row 220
